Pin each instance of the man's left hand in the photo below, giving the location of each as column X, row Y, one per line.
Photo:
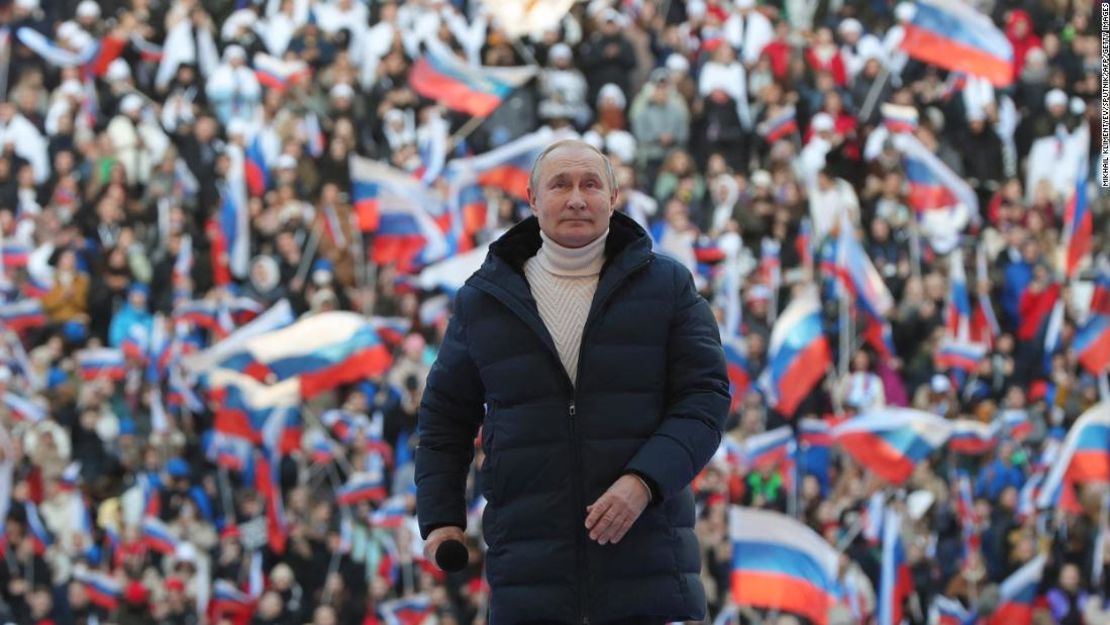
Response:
column 610, row 517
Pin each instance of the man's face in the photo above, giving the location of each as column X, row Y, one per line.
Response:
column 573, row 199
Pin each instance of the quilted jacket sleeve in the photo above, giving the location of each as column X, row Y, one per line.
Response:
column 450, row 414
column 697, row 398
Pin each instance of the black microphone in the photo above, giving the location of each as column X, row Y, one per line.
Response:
column 452, row 556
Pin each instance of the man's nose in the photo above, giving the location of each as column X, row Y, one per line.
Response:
column 577, row 199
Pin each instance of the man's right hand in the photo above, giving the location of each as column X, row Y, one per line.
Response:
column 438, row 537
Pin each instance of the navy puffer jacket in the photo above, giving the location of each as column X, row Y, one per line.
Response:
column 651, row 399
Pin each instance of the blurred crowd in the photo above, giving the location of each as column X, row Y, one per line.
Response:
column 114, row 167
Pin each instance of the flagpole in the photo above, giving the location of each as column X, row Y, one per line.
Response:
column 845, row 336
column 463, row 132
column 873, row 94
column 915, row 248
column 224, row 485
column 309, row 254
column 1104, row 385
column 1104, row 531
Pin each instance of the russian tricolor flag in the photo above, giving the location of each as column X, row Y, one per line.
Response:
column 228, row 599
column 439, row 75
column 780, row 564
column 798, row 354
column 102, row 589
column 947, row 611
column 1015, row 424
column 23, row 409
column 984, row 324
column 898, row 118
column 972, row 437
column 101, row 362
column 895, row 580
column 959, row 302
column 890, row 442
column 395, row 208
column 955, row 36
column 40, row 536
column 1092, row 344
column 858, row 275
column 391, row 330
column 22, row 315
column 277, row 73
column 1083, row 457
column 255, row 170
column 767, row 449
column 409, row 611
column 959, row 355
column 782, row 124
column 739, row 370
column 158, row 537
column 965, row 509
column 1078, row 225
column 1017, row 594
column 933, row 185
column 362, row 486
column 1100, row 296
column 33, row 289
column 322, row 351
column 391, row 513
column 345, row 425
column 505, row 167
column 14, row 256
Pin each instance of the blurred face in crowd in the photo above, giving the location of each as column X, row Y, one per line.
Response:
column 573, row 197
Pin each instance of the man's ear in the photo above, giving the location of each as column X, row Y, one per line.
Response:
column 531, row 199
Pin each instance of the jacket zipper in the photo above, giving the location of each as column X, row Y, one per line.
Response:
column 583, row 561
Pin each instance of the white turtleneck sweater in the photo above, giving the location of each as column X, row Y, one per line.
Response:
column 563, row 281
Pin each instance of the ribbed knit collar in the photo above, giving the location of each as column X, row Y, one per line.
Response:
column 572, row 262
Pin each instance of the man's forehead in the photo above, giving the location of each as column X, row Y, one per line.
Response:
column 563, row 159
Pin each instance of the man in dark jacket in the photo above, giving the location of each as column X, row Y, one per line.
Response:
column 596, row 372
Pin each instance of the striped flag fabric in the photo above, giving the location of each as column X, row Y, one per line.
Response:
column 1017, row 593
column 362, row 486
column 973, row 438
column 740, row 373
column 798, row 354
column 158, row 536
column 955, row 36
column 279, row 74
column 103, row 589
column 322, row 351
column 895, row 579
column 505, row 167
column 101, row 362
column 767, row 449
column 1092, row 344
column 407, row 611
column 397, row 210
column 933, row 185
column 945, row 611
column 22, row 315
column 24, row 409
column 959, row 355
column 1084, row 457
column 440, row 75
column 228, row 599
column 890, row 442
column 780, row 125
column 899, row 118
column 781, row 564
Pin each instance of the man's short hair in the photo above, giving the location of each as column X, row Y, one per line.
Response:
column 563, row 143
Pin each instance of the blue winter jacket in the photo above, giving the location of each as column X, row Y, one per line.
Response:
column 651, row 399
